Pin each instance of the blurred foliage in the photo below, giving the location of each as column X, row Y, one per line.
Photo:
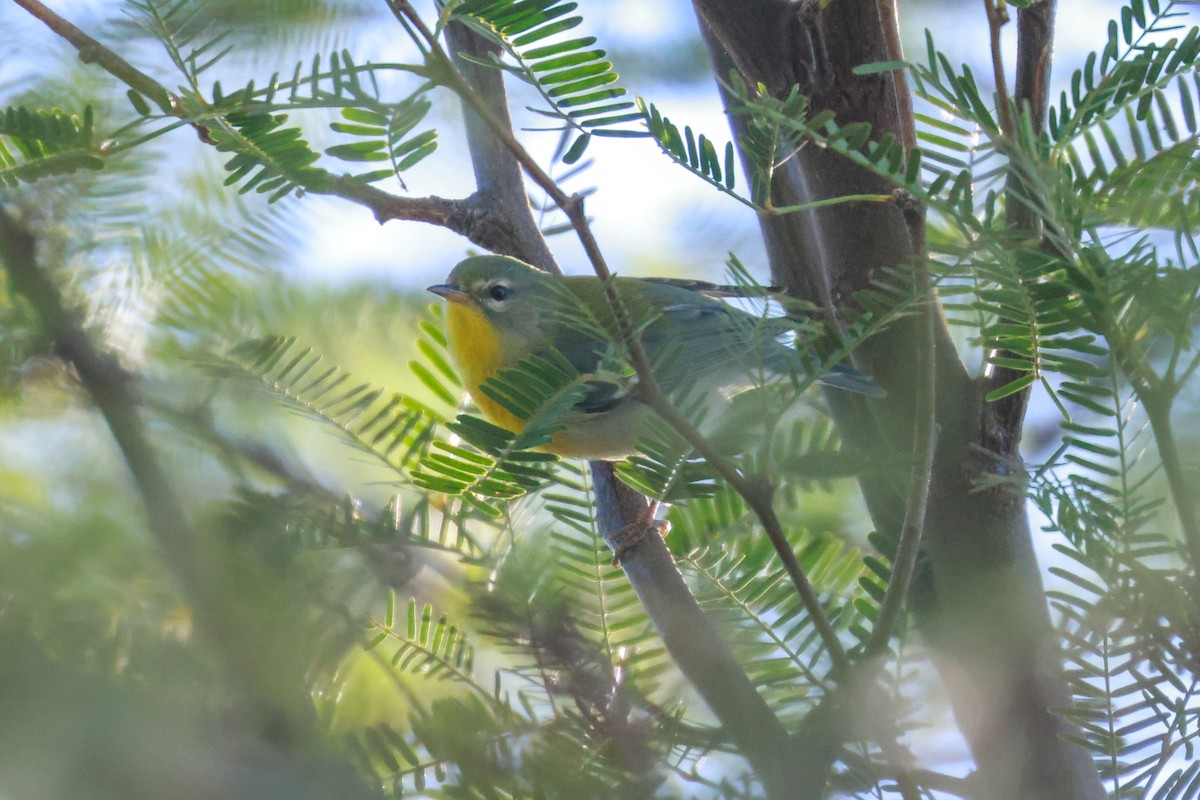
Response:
column 411, row 602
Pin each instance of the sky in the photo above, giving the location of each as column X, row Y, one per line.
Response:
column 639, row 192
column 648, row 213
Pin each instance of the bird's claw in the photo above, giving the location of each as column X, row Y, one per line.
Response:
column 628, row 537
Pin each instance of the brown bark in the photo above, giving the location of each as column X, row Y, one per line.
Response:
column 978, row 598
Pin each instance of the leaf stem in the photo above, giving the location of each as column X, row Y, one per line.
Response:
column 828, row 201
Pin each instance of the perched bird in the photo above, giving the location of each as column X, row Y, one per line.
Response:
column 502, row 310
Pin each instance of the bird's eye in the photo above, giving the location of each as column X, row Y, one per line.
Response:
column 498, row 292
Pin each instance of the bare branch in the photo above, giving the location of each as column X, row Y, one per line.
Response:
column 497, row 171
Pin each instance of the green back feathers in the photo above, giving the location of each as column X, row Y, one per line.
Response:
column 687, row 336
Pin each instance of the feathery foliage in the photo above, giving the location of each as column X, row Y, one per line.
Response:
column 545, row 676
column 46, row 142
column 575, row 80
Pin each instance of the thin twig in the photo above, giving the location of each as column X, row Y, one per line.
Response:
column 924, row 442
column 997, row 17
column 757, row 494
column 1158, row 411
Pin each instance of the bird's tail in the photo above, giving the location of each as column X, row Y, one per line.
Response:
column 850, row 379
column 783, row 359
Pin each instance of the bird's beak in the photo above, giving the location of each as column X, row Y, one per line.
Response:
column 451, row 293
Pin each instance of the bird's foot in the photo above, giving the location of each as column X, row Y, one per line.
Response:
column 628, row 537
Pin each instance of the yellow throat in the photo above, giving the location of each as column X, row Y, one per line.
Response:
column 476, row 348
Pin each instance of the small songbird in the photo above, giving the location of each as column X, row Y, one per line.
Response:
column 502, row 310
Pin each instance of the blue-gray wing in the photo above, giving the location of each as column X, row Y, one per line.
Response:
column 688, row 336
column 695, row 335
column 610, row 380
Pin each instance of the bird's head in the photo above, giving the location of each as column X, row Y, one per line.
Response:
column 509, row 293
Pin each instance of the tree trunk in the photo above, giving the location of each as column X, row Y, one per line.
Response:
column 978, row 595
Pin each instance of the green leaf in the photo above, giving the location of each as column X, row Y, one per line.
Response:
column 575, row 152
column 139, row 103
column 880, row 66
column 1012, row 387
column 359, row 151
column 547, row 31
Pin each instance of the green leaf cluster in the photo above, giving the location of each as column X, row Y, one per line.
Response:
column 574, row 79
column 44, row 142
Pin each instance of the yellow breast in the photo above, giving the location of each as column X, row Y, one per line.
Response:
column 477, row 350
column 610, row 435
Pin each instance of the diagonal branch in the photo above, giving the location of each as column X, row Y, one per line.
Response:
column 467, row 217
column 197, row 566
column 93, row 52
column 108, row 384
column 756, row 492
column 694, row 644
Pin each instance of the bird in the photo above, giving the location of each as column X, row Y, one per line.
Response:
column 501, row 311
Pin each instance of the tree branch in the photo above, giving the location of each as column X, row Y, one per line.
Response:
column 1035, row 40
column 108, row 384
column 453, row 214
column 92, row 52
column 468, row 217
column 497, row 171
column 997, row 18
column 648, row 388
column 978, row 595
